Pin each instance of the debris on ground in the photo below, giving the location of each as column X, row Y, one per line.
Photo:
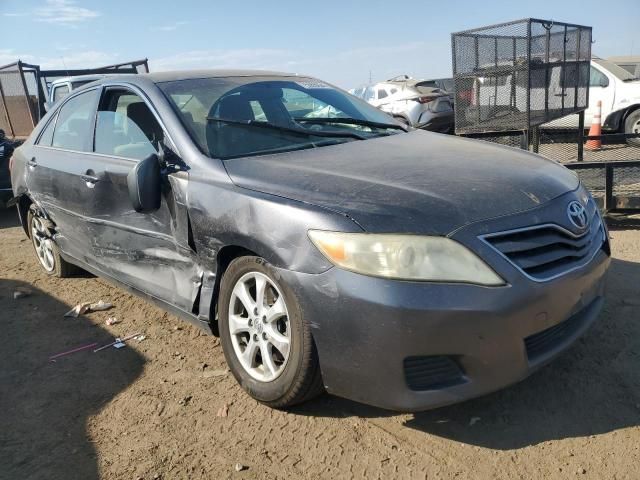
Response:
column 185, row 401
column 223, row 411
column 111, row 321
column 473, row 421
column 215, row 373
column 140, row 338
column 52, row 358
column 86, row 307
column 239, row 467
column 21, row 292
column 118, row 342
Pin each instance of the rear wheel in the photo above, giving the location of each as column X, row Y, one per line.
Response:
column 47, row 251
column 267, row 343
column 632, row 125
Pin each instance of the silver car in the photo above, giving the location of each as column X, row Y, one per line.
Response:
column 413, row 102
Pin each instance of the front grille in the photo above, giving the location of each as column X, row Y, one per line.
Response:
column 432, row 372
column 548, row 340
column 547, row 251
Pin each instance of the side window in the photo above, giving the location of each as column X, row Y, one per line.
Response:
column 258, row 112
column 73, row 128
column 597, row 78
column 59, row 92
column 126, row 127
column 47, row 134
column 382, row 93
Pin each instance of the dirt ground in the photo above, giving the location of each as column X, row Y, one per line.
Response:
column 151, row 410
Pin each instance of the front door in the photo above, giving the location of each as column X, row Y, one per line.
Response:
column 602, row 86
column 148, row 251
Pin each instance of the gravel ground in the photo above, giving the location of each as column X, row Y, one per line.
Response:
column 167, row 408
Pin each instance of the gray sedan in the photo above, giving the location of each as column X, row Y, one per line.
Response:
column 329, row 247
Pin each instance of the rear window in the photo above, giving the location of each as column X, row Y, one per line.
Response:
column 75, row 121
column 60, row 92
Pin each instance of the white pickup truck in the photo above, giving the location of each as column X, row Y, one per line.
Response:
column 619, row 92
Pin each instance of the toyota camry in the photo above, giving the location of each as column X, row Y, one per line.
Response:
column 330, row 247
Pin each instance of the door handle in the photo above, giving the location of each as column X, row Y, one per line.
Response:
column 90, row 177
column 32, row 163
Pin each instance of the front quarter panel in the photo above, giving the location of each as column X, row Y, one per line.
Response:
column 273, row 227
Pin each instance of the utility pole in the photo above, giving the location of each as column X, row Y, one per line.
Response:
column 370, row 81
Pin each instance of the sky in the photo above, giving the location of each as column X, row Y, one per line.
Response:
column 345, row 42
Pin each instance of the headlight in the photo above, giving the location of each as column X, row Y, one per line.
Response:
column 404, row 257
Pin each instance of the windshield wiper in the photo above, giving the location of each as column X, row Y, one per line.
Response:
column 352, row 121
column 301, row 131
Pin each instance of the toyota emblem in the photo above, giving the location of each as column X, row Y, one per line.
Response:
column 577, row 215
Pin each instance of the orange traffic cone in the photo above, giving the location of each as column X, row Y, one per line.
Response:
column 595, row 130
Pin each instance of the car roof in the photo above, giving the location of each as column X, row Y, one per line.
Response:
column 74, row 78
column 158, row 77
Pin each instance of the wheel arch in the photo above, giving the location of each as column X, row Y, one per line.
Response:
column 225, row 256
column 628, row 111
column 23, row 205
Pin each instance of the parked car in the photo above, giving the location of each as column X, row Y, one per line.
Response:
column 619, row 92
column 387, row 265
column 412, row 103
column 444, row 84
column 6, row 150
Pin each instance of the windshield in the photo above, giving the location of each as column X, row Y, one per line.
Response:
column 616, row 70
column 233, row 117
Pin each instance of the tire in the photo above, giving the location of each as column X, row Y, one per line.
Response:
column 294, row 376
column 632, row 125
column 46, row 250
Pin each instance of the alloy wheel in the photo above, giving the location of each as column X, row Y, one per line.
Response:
column 259, row 326
column 43, row 244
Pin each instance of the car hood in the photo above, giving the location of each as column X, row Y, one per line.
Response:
column 417, row 182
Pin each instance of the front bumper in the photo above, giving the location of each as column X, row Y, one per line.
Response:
column 367, row 329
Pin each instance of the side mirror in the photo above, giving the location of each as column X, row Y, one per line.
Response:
column 604, row 82
column 145, row 185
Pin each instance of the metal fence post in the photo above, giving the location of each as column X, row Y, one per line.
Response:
column 581, row 136
column 608, row 188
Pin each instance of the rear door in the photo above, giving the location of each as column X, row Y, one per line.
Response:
column 57, row 169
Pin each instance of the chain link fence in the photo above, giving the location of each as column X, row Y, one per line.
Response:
column 610, row 168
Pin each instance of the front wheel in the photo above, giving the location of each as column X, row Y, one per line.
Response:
column 632, row 125
column 267, row 344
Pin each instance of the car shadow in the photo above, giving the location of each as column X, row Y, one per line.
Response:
column 9, row 218
column 591, row 389
column 623, row 222
column 45, row 405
